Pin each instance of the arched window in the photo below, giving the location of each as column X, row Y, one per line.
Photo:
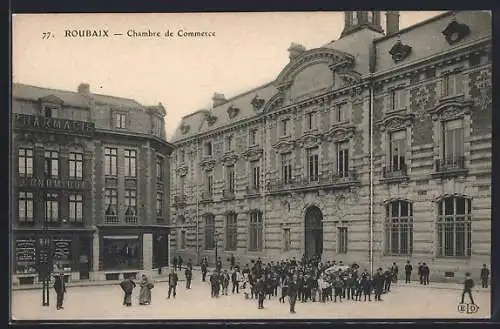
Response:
column 231, row 232
column 454, row 227
column 399, row 230
column 209, row 232
column 255, row 231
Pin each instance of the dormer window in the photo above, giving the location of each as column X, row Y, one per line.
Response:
column 120, row 120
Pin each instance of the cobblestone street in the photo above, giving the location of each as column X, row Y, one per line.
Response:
column 104, row 303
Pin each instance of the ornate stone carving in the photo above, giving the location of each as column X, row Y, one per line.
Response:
column 284, row 146
column 337, row 133
column 253, row 153
column 211, row 119
column 184, row 128
column 422, row 96
column 450, row 110
column 207, row 163
column 274, row 102
column 396, row 122
column 355, row 94
column 182, row 171
column 400, row 51
column 258, row 103
column 310, row 140
column 229, row 158
column 232, row 111
column 51, row 99
column 483, row 99
column 350, row 78
column 455, row 32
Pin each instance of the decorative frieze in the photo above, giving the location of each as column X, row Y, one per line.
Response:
column 396, row 121
column 253, row 153
column 339, row 133
column 450, row 110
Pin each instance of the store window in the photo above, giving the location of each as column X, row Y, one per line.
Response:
column 121, row 252
column 26, row 260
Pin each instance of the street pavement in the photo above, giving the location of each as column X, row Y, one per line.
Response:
column 411, row 301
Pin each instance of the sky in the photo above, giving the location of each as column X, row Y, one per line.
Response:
column 248, row 50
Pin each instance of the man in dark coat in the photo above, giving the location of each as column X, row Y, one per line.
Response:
column 180, row 262
column 378, row 284
column 426, row 273
column 395, row 272
column 174, row 261
column 204, row 269
column 218, row 265
column 127, row 286
column 420, row 273
column 367, row 286
column 172, row 283
column 260, row 290
column 408, row 269
column 189, row 276
column 485, row 275
column 215, row 284
column 60, row 288
column 292, row 293
column 232, row 261
column 338, row 287
column 468, row 285
column 388, row 277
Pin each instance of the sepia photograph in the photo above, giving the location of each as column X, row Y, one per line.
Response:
column 259, row 165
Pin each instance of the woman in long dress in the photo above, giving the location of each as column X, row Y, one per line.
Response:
column 145, row 293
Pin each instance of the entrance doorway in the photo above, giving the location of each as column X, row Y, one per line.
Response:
column 313, row 232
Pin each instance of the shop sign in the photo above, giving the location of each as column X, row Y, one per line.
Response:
column 48, row 183
column 64, row 126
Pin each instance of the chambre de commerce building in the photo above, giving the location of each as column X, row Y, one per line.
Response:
column 285, row 169
column 90, row 185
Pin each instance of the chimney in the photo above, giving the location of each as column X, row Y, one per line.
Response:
column 84, row 88
column 295, row 50
column 392, row 22
column 218, row 99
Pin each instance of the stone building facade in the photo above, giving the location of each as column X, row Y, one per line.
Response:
column 374, row 148
column 90, row 185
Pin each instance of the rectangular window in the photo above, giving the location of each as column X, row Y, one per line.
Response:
column 76, row 208
column 182, row 243
column 111, row 212
column 121, row 120
column 182, row 155
column 182, row 181
column 159, row 127
column 52, row 164
column 231, row 232
column 253, row 137
column 284, row 127
column 452, row 85
column 255, row 231
column 130, row 163
column 131, row 204
column 340, row 113
column 52, row 207
column 453, row 143
column 159, row 205
column 209, row 232
column 209, row 181
column 286, row 239
column 343, row 240
column 286, row 168
column 25, row 204
column 454, row 227
column 229, row 143
column 208, row 149
column 110, row 161
column 399, row 219
column 399, row 99
column 313, row 164
column 25, row 162
column 230, row 178
column 343, row 159
column 310, row 120
column 75, row 165
column 255, row 165
column 397, row 150
column 159, row 169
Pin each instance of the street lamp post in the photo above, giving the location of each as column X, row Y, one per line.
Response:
column 45, row 268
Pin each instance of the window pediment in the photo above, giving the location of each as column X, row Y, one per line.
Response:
column 284, row 146
column 258, row 103
column 337, row 133
column 396, row 122
column 451, row 109
column 229, row 158
column 232, row 111
column 310, row 140
column 253, row 153
column 455, row 32
column 51, row 99
column 400, row 51
column 207, row 163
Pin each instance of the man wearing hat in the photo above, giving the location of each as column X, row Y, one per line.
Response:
column 60, row 288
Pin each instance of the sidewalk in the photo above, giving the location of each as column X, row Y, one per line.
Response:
column 164, row 278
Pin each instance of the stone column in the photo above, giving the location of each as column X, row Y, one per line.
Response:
column 95, row 275
column 147, row 252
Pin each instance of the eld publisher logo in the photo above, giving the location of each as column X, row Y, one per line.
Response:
column 468, row 308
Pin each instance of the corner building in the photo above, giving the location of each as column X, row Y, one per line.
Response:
column 285, row 169
column 90, row 185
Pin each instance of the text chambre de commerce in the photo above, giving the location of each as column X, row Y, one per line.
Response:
column 132, row 33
